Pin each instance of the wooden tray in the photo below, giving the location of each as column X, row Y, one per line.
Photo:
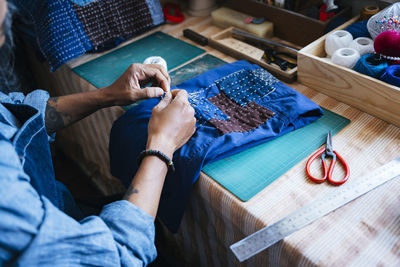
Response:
column 361, row 91
column 224, row 42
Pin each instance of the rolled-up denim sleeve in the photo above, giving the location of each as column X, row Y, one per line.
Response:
column 33, row 232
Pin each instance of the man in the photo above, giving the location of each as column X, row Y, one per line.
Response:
column 36, row 227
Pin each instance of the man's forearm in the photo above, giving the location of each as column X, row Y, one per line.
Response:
column 65, row 110
column 145, row 189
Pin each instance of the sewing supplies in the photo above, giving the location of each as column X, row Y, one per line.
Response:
column 247, row 37
column 387, row 43
column 372, row 65
column 325, row 152
column 172, row 13
column 225, row 17
column 156, row 60
column 346, row 57
column 358, row 29
column 337, row 39
column 380, row 21
column 272, row 56
column 315, row 210
column 392, row 75
column 195, row 37
column 363, row 45
column 368, row 11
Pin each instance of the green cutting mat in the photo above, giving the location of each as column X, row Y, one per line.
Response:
column 247, row 173
column 104, row 70
column 194, row 68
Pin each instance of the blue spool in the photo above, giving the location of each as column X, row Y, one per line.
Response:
column 372, row 65
column 392, row 75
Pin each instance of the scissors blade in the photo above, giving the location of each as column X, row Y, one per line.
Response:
column 329, row 148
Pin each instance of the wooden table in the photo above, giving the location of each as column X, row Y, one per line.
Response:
column 365, row 232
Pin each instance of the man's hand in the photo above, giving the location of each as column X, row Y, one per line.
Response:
column 127, row 89
column 172, row 123
column 65, row 110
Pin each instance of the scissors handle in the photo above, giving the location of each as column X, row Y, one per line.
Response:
column 311, row 160
column 327, row 172
column 332, row 166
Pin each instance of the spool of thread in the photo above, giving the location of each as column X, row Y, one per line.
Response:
column 336, row 40
column 368, row 12
column 359, row 29
column 372, row 65
column 392, row 75
column 346, row 57
column 363, row 45
column 156, row 60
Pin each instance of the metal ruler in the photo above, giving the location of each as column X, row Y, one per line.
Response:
column 270, row 235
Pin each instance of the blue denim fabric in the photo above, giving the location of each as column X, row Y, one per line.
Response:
column 35, row 229
column 242, row 82
column 59, row 31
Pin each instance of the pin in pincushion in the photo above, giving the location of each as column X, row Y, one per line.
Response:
column 385, row 27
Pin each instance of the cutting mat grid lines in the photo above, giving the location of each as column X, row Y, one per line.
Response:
column 247, row 173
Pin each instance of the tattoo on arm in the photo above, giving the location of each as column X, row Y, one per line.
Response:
column 130, row 192
column 55, row 120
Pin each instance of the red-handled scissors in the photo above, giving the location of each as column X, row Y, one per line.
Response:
column 325, row 152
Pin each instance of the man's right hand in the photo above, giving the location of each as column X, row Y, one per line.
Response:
column 172, row 123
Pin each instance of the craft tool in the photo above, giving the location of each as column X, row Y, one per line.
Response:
column 248, row 37
column 325, row 152
column 272, row 234
column 195, row 37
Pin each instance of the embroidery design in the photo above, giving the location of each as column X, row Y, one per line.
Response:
column 234, row 109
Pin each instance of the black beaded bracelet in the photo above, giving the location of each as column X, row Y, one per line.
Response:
column 159, row 154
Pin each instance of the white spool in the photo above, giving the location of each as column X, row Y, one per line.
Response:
column 156, row 60
column 336, row 40
column 363, row 45
column 346, row 57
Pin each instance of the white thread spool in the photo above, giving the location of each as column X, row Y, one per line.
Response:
column 363, row 45
column 346, row 57
column 336, row 40
column 156, row 60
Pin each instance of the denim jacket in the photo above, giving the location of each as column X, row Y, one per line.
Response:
column 36, row 227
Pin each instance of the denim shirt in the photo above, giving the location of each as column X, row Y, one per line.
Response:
column 36, row 227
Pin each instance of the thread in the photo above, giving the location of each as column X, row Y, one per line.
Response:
column 346, row 57
column 372, row 65
column 368, row 12
column 392, row 75
column 359, row 29
column 363, row 45
column 336, row 40
column 156, row 60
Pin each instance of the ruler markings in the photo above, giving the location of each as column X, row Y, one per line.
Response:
column 270, row 235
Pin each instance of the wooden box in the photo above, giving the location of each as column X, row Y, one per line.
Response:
column 346, row 85
column 289, row 25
